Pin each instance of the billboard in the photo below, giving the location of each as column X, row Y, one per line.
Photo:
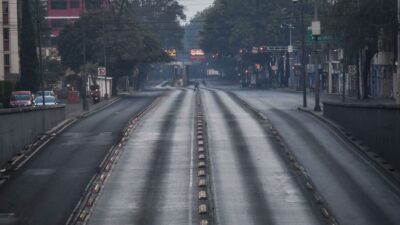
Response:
column 197, row 55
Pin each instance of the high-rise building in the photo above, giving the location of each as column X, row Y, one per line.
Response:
column 9, row 41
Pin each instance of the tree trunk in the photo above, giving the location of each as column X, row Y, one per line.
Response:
column 115, row 85
column 358, row 94
column 366, row 71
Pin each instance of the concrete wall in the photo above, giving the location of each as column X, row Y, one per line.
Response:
column 20, row 127
column 378, row 126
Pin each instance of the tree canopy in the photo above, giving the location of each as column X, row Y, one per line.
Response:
column 127, row 38
column 30, row 79
column 233, row 24
column 360, row 27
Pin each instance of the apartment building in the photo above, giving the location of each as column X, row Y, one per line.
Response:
column 62, row 12
column 9, row 43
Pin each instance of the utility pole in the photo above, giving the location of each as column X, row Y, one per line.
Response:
column 105, row 54
column 39, row 41
column 290, row 46
column 316, row 32
column 398, row 54
column 85, row 105
column 342, row 62
column 303, row 52
column 303, row 55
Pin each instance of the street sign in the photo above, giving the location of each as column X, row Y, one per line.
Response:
column 101, row 71
column 322, row 39
column 290, row 48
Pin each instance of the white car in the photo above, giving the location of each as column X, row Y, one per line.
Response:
column 49, row 100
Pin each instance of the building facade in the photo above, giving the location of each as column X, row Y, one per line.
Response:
column 63, row 12
column 9, row 41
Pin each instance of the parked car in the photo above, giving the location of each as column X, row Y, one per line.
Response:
column 46, row 93
column 21, row 99
column 49, row 100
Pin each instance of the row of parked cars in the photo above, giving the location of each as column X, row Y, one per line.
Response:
column 26, row 98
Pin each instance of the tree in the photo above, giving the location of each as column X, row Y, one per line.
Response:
column 29, row 59
column 358, row 25
column 161, row 17
column 53, row 70
column 127, row 43
column 234, row 24
column 231, row 25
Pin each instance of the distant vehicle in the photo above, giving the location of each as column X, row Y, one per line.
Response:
column 49, row 100
column 21, row 99
column 46, row 93
column 95, row 95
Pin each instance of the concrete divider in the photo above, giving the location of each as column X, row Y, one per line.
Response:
column 378, row 126
column 19, row 127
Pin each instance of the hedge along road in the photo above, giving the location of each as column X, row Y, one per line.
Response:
column 47, row 188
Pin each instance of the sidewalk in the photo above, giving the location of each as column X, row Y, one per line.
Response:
column 351, row 99
column 337, row 97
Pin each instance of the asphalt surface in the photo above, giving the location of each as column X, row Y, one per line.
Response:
column 356, row 192
column 46, row 189
column 252, row 184
column 152, row 182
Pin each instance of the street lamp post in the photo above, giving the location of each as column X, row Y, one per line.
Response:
column 303, row 54
column 290, row 47
column 290, row 27
column 316, row 32
column 105, row 51
column 39, row 41
column 85, row 104
column 343, row 81
column 398, row 54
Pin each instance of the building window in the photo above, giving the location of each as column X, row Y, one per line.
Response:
column 5, row 7
column 74, row 4
column 5, row 13
column 6, row 39
column 6, row 63
column 58, row 4
column 6, row 33
column 58, row 23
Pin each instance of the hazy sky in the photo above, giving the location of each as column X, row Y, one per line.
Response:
column 193, row 6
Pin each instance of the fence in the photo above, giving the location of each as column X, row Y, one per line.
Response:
column 19, row 127
column 378, row 126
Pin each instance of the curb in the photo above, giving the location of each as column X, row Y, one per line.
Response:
column 83, row 209
column 384, row 167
